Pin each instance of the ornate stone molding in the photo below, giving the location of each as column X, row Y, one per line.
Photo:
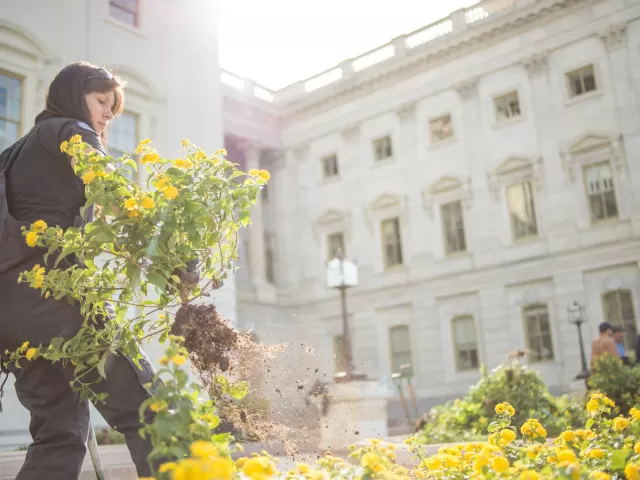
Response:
column 406, row 112
column 387, row 205
column 468, row 90
column 445, row 190
column 536, row 64
column 351, row 133
column 332, row 221
column 615, row 36
column 591, row 148
column 515, row 169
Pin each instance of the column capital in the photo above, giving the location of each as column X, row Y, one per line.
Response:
column 406, row 112
column 468, row 90
column 615, row 36
column 536, row 64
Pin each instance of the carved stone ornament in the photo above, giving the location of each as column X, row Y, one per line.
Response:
column 615, row 36
column 299, row 153
column 331, row 220
column 406, row 112
column 351, row 133
column 445, row 190
column 536, row 64
column 515, row 169
column 468, row 89
column 387, row 205
column 593, row 148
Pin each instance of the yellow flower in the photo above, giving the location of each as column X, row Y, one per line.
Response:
column 264, row 175
column 501, row 408
column 39, row 227
column 635, row 413
column 599, row 476
column 507, row 436
column 568, row 436
column 167, row 467
column 592, row 405
column 620, row 423
column 32, row 239
column 147, row 203
column 632, row 471
column 170, row 192
column 151, row 157
column 162, row 182
column 63, row 146
column 130, row 203
column 159, row 406
column 596, row 453
column 76, row 139
column 258, row 467
column 200, row 155
column 178, row 359
column 31, row 353
column 183, row 163
column 303, row 468
column 254, row 172
column 142, row 145
column 24, row 346
column 133, row 214
column 530, row 475
column 500, row 464
column 185, row 142
column 220, row 468
column 566, row 456
column 372, row 461
column 89, row 177
column 202, row 449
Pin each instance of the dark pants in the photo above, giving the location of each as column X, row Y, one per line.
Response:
column 60, row 418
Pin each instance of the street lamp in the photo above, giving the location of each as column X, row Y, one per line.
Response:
column 343, row 274
column 576, row 317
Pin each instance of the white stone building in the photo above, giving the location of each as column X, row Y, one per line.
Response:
column 482, row 171
column 173, row 88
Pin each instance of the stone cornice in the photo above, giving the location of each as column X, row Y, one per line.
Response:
column 434, row 53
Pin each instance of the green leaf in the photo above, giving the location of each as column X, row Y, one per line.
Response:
column 590, row 423
column 493, row 426
column 239, row 390
column 132, row 164
column 157, row 280
column 619, row 459
column 101, row 365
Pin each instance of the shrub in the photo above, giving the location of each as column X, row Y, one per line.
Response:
column 619, row 382
column 467, row 418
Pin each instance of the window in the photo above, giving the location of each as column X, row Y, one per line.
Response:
column 123, row 136
column 330, row 166
column 522, row 211
column 338, row 355
column 453, row 226
column 335, row 243
column 601, row 193
column 440, row 128
column 10, row 109
column 391, row 242
column 618, row 310
column 465, row 343
column 125, row 11
column 581, row 81
column 507, row 106
column 400, row 343
column 269, row 259
column 382, row 148
column 538, row 333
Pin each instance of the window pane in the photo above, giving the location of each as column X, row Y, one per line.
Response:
column 522, row 210
column 8, row 133
column 538, row 332
column 10, row 98
column 589, row 80
column 123, row 15
column 453, row 224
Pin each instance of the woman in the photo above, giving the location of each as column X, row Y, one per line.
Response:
column 41, row 185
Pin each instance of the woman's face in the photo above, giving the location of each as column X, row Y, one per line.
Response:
column 99, row 105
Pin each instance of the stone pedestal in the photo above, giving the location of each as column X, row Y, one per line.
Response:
column 357, row 411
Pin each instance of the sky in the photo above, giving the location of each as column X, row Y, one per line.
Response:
column 279, row 42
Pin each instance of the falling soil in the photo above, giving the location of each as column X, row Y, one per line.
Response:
column 216, row 348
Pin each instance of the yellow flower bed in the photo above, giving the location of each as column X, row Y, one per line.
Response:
column 605, row 449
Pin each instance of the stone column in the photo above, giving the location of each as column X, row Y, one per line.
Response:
column 257, row 263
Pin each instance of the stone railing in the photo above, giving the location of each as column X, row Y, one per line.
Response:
column 457, row 22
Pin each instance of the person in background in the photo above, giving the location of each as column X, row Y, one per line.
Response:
column 618, row 337
column 604, row 344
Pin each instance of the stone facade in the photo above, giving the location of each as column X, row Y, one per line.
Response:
column 573, row 69
column 171, row 92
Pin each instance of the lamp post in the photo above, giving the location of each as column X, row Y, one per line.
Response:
column 341, row 275
column 576, row 317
